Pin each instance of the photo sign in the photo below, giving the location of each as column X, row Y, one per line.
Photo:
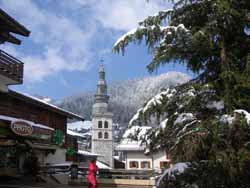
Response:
column 21, row 128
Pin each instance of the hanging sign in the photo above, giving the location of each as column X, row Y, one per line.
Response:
column 21, row 128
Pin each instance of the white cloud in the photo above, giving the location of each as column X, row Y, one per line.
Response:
column 64, row 43
column 119, row 15
column 124, row 15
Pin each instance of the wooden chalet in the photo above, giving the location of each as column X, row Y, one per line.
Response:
column 11, row 69
column 31, row 127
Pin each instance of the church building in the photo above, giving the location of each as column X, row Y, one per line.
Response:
column 102, row 139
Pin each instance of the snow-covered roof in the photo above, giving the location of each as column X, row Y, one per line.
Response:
column 73, row 133
column 87, row 153
column 128, row 144
column 130, row 147
column 12, row 119
column 15, row 93
column 79, row 125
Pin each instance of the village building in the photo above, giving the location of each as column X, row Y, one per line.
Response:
column 102, row 123
column 29, row 127
column 80, row 152
column 11, row 69
column 135, row 154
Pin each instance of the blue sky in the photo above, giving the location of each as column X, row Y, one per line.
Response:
column 69, row 38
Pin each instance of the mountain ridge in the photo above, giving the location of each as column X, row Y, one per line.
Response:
column 125, row 96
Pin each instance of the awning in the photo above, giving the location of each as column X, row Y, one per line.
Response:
column 12, row 119
column 41, row 146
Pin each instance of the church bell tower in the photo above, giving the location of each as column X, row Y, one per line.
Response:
column 102, row 139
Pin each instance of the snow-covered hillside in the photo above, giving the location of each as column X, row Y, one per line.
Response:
column 125, row 96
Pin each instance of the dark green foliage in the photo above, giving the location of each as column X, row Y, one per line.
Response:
column 210, row 37
column 208, row 175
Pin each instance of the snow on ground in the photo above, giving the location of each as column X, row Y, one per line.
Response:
column 184, row 117
column 163, row 124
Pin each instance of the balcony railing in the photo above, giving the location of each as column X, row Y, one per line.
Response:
column 11, row 67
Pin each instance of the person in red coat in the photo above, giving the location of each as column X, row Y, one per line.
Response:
column 92, row 174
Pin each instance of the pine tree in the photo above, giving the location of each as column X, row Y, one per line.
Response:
column 211, row 38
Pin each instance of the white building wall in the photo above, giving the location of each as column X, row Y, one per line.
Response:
column 103, row 146
column 160, row 156
column 139, row 156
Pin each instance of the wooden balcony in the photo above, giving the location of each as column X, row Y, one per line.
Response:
column 11, row 69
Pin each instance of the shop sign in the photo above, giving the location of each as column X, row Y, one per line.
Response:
column 21, row 128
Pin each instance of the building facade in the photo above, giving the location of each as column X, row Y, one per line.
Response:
column 102, row 138
column 133, row 152
column 29, row 128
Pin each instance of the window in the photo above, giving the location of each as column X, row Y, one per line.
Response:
column 100, row 135
column 133, row 164
column 145, row 164
column 106, row 135
column 99, row 124
column 164, row 164
column 106, row 125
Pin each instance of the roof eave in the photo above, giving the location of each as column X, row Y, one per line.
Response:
column 42, row 105
column 16, row 27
